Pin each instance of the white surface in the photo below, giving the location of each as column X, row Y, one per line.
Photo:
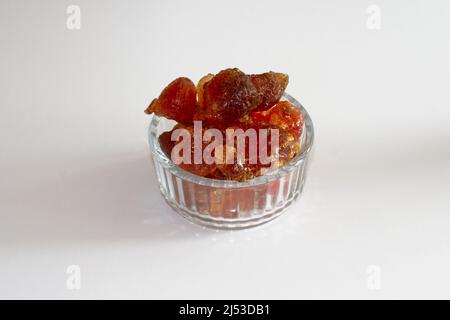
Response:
column 77, row 185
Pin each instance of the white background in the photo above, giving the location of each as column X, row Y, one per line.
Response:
column 77, row 186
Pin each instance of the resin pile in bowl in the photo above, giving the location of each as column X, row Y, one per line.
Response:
column 220, row 196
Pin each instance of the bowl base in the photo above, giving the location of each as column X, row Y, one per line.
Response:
column 231, row 223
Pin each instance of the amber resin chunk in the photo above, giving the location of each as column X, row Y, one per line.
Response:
column 200, row 86
column 282, row 115
column 288, row 147
column 228, row 96
column 178, row 101
column 270, row 87
column 167, row 141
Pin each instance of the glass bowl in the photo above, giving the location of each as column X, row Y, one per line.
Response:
column 228, row 204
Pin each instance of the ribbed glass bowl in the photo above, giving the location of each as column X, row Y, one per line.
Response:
column 228, row 204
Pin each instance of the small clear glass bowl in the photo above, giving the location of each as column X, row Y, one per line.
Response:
column 228, row 204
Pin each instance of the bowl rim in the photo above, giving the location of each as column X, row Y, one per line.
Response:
column 166, row 162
